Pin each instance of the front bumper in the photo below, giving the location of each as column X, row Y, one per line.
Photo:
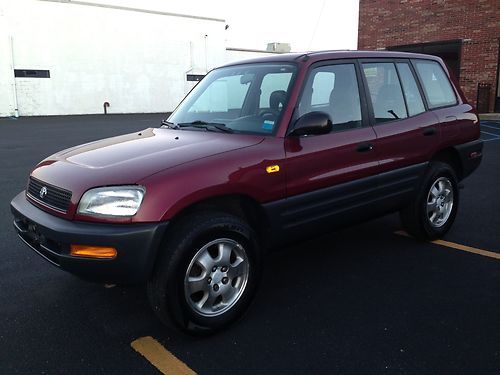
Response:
column 51, row 237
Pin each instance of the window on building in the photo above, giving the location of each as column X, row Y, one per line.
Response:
column 437, row 87
column 385, row 91
column 414, row 101
column 333, row 89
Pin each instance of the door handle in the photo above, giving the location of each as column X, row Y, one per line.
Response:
column 451, row 118
column 364, row 147
column 429, row 131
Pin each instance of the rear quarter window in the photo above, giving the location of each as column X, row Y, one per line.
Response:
column 414, row 101
column 437, row 87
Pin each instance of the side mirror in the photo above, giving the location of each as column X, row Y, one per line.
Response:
column 312, row 123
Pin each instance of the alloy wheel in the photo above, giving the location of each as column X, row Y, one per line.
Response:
column 216, row 277
column 440, row 202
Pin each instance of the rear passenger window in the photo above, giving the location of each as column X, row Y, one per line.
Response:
column 414, row 101
column 385, row 91
column 333, row 89
column 437, row 87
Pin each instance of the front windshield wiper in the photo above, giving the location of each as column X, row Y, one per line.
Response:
column 206, row 125
column 168, row 124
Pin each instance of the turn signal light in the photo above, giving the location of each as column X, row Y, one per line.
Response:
column 93, row 251
column 273, row 169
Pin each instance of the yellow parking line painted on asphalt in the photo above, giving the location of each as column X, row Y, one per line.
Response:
column 457, row 246
column 160, row 357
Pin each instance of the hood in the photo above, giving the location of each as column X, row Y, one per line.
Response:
column 130, row 158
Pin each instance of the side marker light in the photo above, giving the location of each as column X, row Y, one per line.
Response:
column 273, row 169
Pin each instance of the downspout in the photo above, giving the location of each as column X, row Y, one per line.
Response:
column 190, row 70
column 14, row 84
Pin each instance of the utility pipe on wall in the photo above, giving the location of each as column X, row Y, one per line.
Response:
column 187, row 87
column 14, row 84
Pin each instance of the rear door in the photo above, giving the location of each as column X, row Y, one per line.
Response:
column 407, row 133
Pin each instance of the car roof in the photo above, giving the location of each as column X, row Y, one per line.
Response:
column 332, row 55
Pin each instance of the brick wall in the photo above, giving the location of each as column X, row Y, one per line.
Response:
column 386, row 23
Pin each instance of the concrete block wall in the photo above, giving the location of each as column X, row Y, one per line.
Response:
column 134, row 60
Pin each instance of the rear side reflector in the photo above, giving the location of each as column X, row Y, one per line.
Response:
column 93, row 251
column 475, row 155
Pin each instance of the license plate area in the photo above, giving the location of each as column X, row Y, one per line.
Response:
column 31, row 234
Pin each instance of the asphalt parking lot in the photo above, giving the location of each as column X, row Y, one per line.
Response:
column 360, row 300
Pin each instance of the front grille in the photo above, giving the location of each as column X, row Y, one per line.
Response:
column 52, row 196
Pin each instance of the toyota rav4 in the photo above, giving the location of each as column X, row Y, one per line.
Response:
column 260, row 153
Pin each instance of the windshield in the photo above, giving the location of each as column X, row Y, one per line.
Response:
column 237, row 99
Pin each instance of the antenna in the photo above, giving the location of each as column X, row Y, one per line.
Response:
column 316, row 26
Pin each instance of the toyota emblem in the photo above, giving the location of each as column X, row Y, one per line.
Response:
column 43, row 192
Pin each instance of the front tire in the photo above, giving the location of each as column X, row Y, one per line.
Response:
column 434, row 208
column 207, row 273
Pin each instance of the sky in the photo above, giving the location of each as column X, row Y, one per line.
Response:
column 306, row 25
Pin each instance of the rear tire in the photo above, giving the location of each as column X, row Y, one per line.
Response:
column 207, row 273
column 434, row 208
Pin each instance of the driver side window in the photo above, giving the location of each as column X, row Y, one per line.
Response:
column 273, row 90
column 225, row 94
column 333, row 89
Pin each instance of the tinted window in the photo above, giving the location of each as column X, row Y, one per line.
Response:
column 437, row 87
column 333, row 89
column 322, row 86
column 414, row 101
column 385, row 91
column 247, row 98
column 273, row 90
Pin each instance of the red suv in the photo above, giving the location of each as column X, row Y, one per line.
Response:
column 260, row 153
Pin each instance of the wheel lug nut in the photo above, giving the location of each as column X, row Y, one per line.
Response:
column 209, row 280
column 224, row 269
column 216, row 287
column 225, row 280
column 214, row 268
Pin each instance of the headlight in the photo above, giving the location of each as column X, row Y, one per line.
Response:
column 112, row 201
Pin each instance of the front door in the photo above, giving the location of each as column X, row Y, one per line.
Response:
column 327, row 174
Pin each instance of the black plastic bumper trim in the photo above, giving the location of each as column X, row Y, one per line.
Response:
column 465, row 150
column 137, row 244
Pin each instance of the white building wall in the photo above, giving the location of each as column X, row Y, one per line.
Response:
column 136, row 61
column 237, row 54
column 6, row 70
